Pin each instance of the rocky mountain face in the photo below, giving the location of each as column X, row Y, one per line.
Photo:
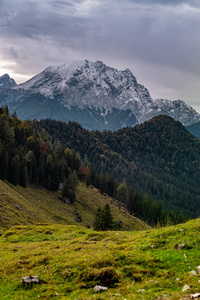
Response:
column 93, row 94
column 6, row 82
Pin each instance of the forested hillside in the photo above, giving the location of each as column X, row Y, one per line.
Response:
column 159, row 157
column 30, row 157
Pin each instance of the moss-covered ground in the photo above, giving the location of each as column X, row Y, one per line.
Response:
column 71, row 260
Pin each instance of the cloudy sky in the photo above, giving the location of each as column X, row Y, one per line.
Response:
column 158, row 40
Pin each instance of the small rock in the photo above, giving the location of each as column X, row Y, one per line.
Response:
column 185, row 288
column 198, row 269
column 30, row 279
column 180, row 246
column 68, row 201
column 152, row 281
column 141, row 291
column 193, row 296
column 193, row 273
column 17, row 206
column 57, row 294
column 98, row 288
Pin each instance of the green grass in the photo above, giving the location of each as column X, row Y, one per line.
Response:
column 71, row 260
column 24, row 206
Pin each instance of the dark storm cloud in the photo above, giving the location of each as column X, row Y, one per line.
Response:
column 161, row 36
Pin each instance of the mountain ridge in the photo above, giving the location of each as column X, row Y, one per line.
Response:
column 95, row 95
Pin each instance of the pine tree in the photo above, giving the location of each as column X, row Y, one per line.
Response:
column 4, row 163
column 98, row 220
column 103, row 219
column 69, row 189
column 23, row 177
column 14, row 170
column 107, row 217
column 122, row 192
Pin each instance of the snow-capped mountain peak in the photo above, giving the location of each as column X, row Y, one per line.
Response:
column 83, row 83
column 6, row 82
column 92, row 93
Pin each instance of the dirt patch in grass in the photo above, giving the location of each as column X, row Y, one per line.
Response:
column 106, row 276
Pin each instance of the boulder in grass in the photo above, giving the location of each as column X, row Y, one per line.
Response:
column 30, row 279
column 193, row 273
column 185, row 288
column 180, row 246
column 98, row 288
column 194, row 296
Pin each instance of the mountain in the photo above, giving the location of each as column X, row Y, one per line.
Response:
column 194, row 129
column 6, row 82
column 158, row 157
column 95, row 95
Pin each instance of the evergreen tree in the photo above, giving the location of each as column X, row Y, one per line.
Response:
column 55, row 176
column 14, row 170
column 69, row 189
column 98, row 223
column 23, row 176
column 103, row 219
column 107, row 217
column 122, row 192
column 4, row 164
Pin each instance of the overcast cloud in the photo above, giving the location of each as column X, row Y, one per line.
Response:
column 158, row 40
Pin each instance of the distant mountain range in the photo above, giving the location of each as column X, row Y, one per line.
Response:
column 194, row 129
column 93, row 94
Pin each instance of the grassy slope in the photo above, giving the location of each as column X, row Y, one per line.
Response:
column 33, row 205
column 71, row 260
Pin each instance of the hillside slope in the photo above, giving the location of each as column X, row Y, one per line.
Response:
column 71, row 260
column 35, row 205
column 158, row 157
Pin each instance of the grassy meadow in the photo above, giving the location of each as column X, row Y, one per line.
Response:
column 44, row 237
column 70, row 260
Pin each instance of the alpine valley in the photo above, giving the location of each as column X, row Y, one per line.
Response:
column 92, row 94
column 88, row 214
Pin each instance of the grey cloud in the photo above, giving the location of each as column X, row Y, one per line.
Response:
column 194, row 3
column 13, row 53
